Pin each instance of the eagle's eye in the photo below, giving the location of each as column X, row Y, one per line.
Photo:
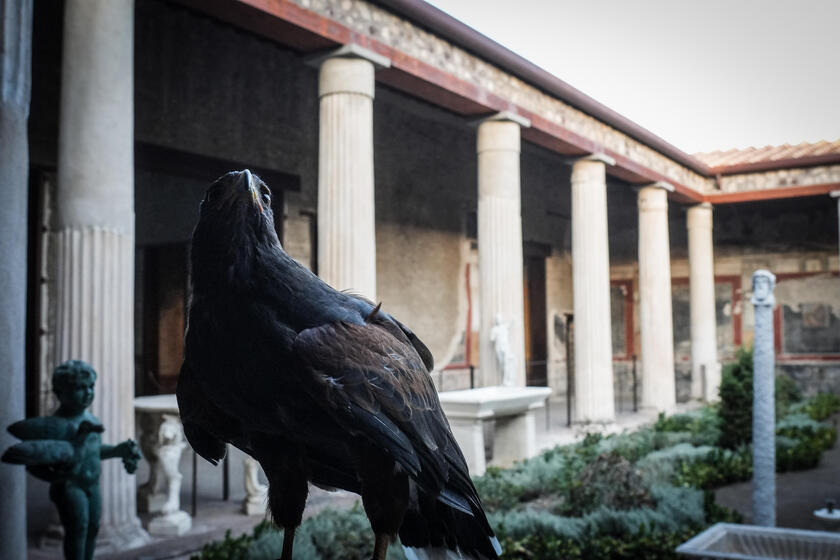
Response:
column 266, row 195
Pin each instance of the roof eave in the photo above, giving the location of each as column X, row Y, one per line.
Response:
column 453, row 30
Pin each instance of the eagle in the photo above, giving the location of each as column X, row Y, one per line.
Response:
column 317, row 385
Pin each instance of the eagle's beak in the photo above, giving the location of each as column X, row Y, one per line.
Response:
column 255, row 193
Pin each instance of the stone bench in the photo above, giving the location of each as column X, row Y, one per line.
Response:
column 513, row 410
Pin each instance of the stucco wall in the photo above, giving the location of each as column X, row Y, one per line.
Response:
column 207, row 88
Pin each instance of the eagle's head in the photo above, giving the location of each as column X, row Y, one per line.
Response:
column 235, row 226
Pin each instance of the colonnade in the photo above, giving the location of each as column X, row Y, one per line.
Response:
column 94, row 238
column 347, row 254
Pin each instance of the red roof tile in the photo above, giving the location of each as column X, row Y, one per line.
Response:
column 720, row 160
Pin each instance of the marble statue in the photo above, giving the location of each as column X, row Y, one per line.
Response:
column 162, row 442
column 505, row 360
column 66, row 450
column 256, row 493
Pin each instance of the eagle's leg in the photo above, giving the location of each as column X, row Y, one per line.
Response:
column 380, row 548
column 288, row 543
column 384, row 497
column 287, row 491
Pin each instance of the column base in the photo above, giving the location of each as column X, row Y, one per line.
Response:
column 170, row 524
column 119, row 539
column 53, row 537
column 654, row 411
column 252, row 506
column 595, row 427
column 109, row 540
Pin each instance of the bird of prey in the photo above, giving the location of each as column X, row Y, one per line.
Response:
column 318, row 386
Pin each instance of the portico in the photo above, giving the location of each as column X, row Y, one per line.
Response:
column 421, row 173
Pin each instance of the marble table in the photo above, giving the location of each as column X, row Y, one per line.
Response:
column 161, row 437
column 513, row 410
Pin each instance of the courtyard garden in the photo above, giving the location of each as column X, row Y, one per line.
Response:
column 632, row 495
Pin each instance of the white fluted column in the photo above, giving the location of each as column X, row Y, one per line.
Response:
column 95, row 234
column 500, row 251
column 657, row 323
column 705, row 370
column 591, row 285
column 346, row 216
column 15, row 80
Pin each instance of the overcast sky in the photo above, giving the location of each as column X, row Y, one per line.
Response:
column 703, row 75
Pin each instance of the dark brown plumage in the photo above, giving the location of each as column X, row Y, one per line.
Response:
column 317, row 385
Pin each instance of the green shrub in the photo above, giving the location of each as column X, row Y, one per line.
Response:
column 551, row 472
column 663, row 465
column 330, row 535
column 717, row 468
column 610, row 481
column 703, row 424
column 716, row 513
column 787, row 394
column 605, row 533
column 648, row 544
column 793, row 454
column 234, row 548
column 736, row 400
column 822, row 406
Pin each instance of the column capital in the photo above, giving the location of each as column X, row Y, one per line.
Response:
column 658, row 185
column 652, row 198
column 500, row 132
column 699, row 215
column 350, row 50
column 503, row 116
column 595, row 157
column 348, row 70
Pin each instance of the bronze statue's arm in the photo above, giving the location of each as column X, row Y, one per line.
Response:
column 128, row 451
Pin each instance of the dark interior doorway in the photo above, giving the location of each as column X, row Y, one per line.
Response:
column 536, row 344
column 162, row 256
column 164, row 317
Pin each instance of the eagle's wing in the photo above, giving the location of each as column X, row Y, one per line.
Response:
column 368, row 309
column 204, row 423
column 375, row 383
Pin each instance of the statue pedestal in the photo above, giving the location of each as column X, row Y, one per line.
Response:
column 170, row 524
column 149, row 502
column 513, row 410
column 255, row 501
column 162, row 441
